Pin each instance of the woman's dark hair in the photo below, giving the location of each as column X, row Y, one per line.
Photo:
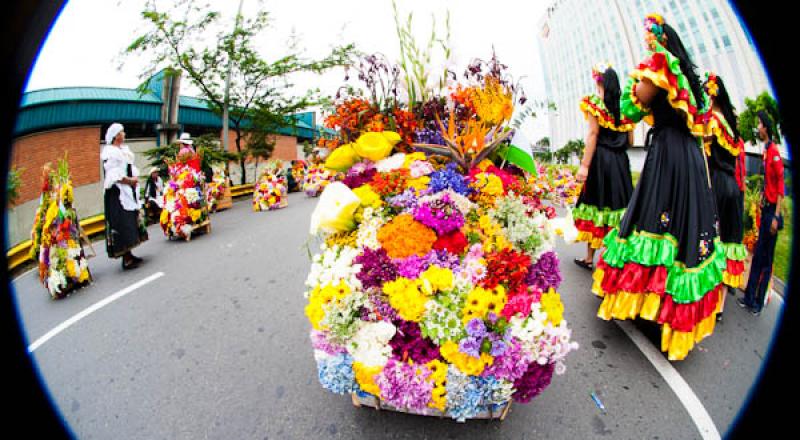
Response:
column 728, row 110
column 611, row 93
column 676, row 48
column 766, row 121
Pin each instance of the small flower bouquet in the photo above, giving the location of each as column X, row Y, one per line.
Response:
column 317, row 177
column 185, row 206
column 271, row 191
column 435, row 288
column 56, row 235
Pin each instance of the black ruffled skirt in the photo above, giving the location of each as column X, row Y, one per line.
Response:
column 124, row 229
column 730, row 206
column 608, row 185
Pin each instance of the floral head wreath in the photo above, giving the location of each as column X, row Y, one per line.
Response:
column 654, row 28
column 712, row 85
column 599, row 70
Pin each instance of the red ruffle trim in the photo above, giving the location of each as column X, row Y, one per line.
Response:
column 658, row 63
column 633, row 278
column 735, row 267
column 684, row 317
column 587, row 226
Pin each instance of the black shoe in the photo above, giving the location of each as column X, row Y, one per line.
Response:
column 755, row 312
column 732, row 290
column 719, row 317
column 136, row 259
column 130, row 264
column 741, row 303
column 584, row 264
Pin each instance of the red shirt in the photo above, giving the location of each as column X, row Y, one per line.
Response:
column 773, row 171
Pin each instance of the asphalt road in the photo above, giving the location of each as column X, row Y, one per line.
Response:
column 218, row 347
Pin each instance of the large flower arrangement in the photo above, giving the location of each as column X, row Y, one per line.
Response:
column 63, row 264
column 298, row 171
column 435, row 287
column 271, row 191
column 185, row 206
column 317, row 177
column 215, row 190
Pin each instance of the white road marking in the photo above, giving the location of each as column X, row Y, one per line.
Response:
column 679, row 386
column 91, row 309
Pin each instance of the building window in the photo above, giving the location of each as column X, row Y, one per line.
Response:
column 726, row 41
column 701, row 47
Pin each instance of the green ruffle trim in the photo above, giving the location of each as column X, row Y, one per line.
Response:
column 685, row 285
column 735, row 251
column 630, row 106
column 674, row 65
column 599, row 217
column 642, row 248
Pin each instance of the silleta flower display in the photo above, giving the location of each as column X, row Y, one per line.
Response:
column 55, row 237
column 316, row 178
column 185, row 207
column 434, row 291
column 271, row 191
column 216, row 190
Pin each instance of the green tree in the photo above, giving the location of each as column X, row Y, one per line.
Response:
column 574, row 147
column 748, row 119
column 259, row 91
column 207, row 145
column 13, row 183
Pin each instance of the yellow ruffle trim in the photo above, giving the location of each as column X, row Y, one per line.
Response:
column 717, row 129
column 603, row 119
column 597, row 277
column 678, row 344
column 735, row 281
column 626, row 305
column 594, row 242
column 661, row 81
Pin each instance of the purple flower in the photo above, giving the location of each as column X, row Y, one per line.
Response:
column 476, row 328
column 412, row 266
column 545, row 273
column 408, row 343
column 404, row 385
column 359, row 175
column 533, row 382
column 405, row 200
column 319, row 341
column 511, row 364
column 471, row 346
column 376, row 268
column 442, row 215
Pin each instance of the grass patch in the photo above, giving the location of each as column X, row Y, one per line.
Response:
column 783, row 248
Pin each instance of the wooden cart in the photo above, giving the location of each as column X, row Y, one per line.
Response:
column 363, row 399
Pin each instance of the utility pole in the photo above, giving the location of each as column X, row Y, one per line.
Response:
column 228, row 85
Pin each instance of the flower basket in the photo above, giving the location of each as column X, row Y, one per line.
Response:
column 270, row 192
column 185, row 207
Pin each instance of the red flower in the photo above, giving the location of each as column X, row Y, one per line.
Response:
column 507, row 267
column 455, row 243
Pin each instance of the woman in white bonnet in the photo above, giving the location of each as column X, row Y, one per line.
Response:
column 124, row 228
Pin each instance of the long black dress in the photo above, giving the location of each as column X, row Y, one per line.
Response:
column 608, row 185
column 665, row 262
column 723, row 151
column 124, row 229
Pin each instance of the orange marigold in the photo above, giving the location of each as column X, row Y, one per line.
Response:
column 403, row 237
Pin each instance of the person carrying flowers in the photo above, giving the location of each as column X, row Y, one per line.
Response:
column 185, row 207
column 271, row 191
column 665, row 262
column 605, row 170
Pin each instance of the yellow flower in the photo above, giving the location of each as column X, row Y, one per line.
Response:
column 368, row 196
column 71, row 272
column 365, row 376
column 376, row 145
column 437, row 279
column 438, row 398
column 419, row 184
column 84, row 275
column 464, row 362
column 164, row 219
column 477, row 304
column 66, row 193
column 413, row 157
column 405, row 296
column 52, row 212
column 438, row 371
column 551, row 304
column 342, row 158
column 195, row 214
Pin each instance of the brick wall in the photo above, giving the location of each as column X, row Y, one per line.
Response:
column 285, row 147
column 31, row 152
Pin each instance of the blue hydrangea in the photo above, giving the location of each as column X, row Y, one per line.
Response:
column 464, row 395
column 336, row 374
column 449, row 178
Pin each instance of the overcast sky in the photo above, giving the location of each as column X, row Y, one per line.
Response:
column 84, row 45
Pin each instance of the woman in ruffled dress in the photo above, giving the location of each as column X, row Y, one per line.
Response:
column 124, row 223
column 725, row 152
column 664, row 262
column 605, row 170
